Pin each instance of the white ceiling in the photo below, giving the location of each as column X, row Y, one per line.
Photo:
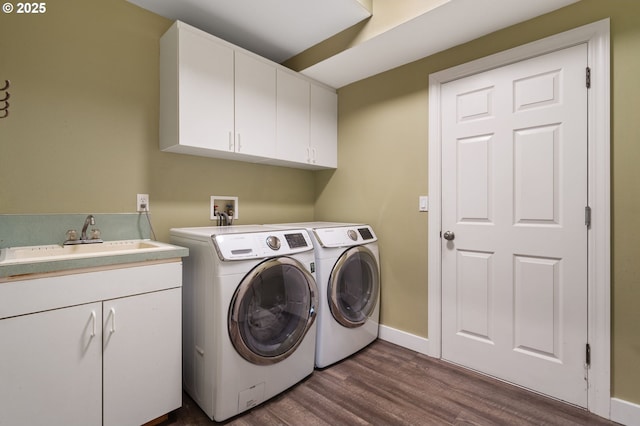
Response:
column 453, row 23
column 274, row 29
column 280, row 29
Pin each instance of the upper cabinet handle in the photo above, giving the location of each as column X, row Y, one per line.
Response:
column 112, row 311
column 93, row 319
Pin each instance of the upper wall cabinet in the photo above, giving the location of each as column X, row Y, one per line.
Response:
column 323, row 127
column 307, row 128
column 218, row 100
column 255, row 106
column 293, row 118
column 196, row 84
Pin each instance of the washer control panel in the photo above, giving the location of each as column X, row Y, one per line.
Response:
column 345, row 236
column 241, row 246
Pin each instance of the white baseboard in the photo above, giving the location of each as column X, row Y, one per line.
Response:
column 404, row 339
column 624, row 412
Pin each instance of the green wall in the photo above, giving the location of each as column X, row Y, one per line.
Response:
column 82, row 137
column 383, row 137
column 82, row 134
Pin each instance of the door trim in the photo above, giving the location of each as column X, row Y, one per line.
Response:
column 596, row 35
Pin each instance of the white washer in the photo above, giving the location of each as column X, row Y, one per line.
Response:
column 249, row 309
column 348, row 277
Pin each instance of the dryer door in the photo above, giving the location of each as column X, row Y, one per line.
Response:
column 272, row 309
column 354, row 287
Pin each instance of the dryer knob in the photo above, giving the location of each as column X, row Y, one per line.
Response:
column 273, row 242
column 352, row 234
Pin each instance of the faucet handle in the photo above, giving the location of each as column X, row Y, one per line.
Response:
column 72, row 235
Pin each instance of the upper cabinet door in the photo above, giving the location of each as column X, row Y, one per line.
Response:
column 197, row 93
column 324, row 127
column 293, row 118
column 255, row 106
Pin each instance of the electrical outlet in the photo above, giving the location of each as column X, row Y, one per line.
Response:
column 142, row 203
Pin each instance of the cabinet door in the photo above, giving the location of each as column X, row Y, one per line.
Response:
column 324, row 127
column 255, row 104
column 51, row 367
column 142, row 357
column 205, row 92
column 292, row 118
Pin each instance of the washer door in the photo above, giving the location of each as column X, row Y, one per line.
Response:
column 354, row 286
column 272, row 309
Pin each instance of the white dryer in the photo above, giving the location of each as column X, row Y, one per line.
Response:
column 249, row 309
column 348, row 277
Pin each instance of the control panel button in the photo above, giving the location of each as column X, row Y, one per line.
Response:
column 273, row 242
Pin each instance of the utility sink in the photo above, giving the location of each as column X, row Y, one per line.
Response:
column 47, row 253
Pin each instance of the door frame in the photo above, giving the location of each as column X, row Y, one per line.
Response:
column 596, row 35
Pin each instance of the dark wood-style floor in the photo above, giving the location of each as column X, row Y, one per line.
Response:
column 385, row 384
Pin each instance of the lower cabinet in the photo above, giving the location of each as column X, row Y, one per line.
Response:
column 51, row 367
column 142, row 357
column 112, row 362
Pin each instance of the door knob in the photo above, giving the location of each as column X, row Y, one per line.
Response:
column 449, row 236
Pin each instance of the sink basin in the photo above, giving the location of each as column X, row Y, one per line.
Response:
column 45, row 253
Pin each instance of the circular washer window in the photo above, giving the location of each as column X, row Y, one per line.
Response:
column 272, row 310
column 354, row 286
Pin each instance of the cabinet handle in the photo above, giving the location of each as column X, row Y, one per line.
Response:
column 112, row 313
column 93, row 319
column 239, row 143
column 313, row 155
column 308, row 155
column 230, row 141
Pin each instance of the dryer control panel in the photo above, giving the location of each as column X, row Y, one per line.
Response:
column 240, row 246
column 345, row 236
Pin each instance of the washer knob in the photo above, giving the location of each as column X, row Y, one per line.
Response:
column 273, row 242
column 352, row 234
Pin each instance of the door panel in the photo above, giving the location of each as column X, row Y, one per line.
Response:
column 536, row 175
column 474, row 295
column 514, row 190
column 474, row 189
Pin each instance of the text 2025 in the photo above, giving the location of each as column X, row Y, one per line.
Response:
column 31, row 7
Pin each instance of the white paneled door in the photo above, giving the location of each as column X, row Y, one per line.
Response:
column 514, row 246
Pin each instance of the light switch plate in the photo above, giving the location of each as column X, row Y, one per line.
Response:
column 423, row 203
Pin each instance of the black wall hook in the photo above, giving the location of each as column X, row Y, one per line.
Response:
column 4, row 111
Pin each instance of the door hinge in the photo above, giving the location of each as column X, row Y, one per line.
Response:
column 588, row 77
column 587, row 216
column 588, row 355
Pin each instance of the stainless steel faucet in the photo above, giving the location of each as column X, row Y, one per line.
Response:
column 72, row 236
column 90, row 220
